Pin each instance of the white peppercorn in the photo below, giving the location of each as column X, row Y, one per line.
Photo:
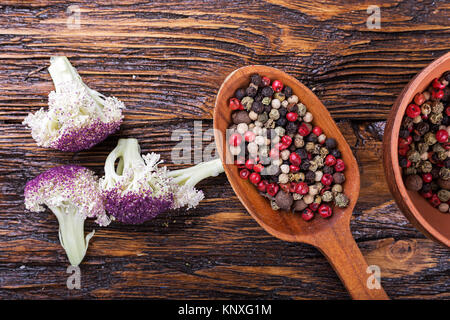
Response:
column 308, row 199
column 321, row 139
column 293, row 99
column 276, row 103
column 260, row 140
column 308, row 117
column 252, row 148
column 273, row 114
column 284, row 168
column 285, row 103
column 283, row 178
column 242, row 128
column 318, row 176
column 337, row 188
column 285, row 154
column 253, row 115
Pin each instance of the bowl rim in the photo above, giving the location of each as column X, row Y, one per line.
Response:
column 390, row 143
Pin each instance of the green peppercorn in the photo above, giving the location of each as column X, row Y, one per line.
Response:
column 266, row 101
column 280, row 96
column 410, row 170
column 443, row 195
column 437, row 107
column 327, row 196
column 422, row 147
column 341, row 200
column 274, row 114
column 442, row 155
column 323, row 152
column 247, row 102
column 413, row 156
column 436, row 118
column 437, row 147
column 310, row 146
column 426, row 166
column 430, row 138
column 301, row 109
column 263, row 117
column 444, row 173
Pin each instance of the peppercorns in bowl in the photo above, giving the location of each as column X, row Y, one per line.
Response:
column 417, row 149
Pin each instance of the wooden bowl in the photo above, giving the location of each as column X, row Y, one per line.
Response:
column 331, row 236
column 420, row 213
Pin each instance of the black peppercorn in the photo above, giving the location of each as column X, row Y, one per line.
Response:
column 281, row 122
column 291, row 127
column 327, row 170
column 426, row 187
column 259, row 97
column 267, row 91
column 417, row 138
column 435, row 157
column 434, row 127
column 287, row 91
column 445, row 120
column 305, row 165
column 447, row 162
column 310, row 177
column 404, row 133
column 240, row 93
column 421, row 129
column 336, row 153
column 403, row 162
column 311, row 138
column 435, row 172
column 251, row 91
column 255, row 79
column 283, row 112
column 302, row 153
column 257, row 107
column 446, row 76
column 267, row 108
column 331, row 143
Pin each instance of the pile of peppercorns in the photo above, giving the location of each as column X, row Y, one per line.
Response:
column 289, row 160
column 424, row 146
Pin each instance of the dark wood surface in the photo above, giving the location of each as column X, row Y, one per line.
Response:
column 166, row 61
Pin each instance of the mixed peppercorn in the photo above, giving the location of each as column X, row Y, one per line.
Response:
column 279, row 150
column 424, row 147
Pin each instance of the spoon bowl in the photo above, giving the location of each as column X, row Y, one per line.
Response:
column 331, row 236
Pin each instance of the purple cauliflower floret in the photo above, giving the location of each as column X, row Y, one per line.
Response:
column 78, row 117
column 72, row 193
column 137, row 189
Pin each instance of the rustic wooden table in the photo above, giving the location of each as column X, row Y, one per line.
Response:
column 166, row 61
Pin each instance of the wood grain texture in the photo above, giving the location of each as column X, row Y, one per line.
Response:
column 166, row 61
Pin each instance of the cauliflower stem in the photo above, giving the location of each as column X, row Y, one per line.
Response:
column 71, row 232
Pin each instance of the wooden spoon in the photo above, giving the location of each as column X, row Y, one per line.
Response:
column 331, row 236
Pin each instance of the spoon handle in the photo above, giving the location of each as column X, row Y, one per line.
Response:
column 341, row 250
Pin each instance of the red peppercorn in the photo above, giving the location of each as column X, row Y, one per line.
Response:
column 284, row 187
column 287, row 140
column 249, row 136
column 295, row 159
column 439, row 94
column 403, row 150
column 330, row 160
column 292, row 186
column 301, row 188
column 442, row 136
column 255, row 178
column 434, row 200
column 294, row 169
column 419, row 99
column 307, row 214
column 404, row 142
column 325, row 188
column 262, row 185
column 339, row 166
column 427, row 195
column 314, row 206
column 447, row 111
column 274, row 153
column 427, row 177
column 292, row 116
column 413, row 110
column 235, row 139
column 325, row 211
column 258, row 167
column 249, row 164
column 281, row 146
column 277, row 85
column 408, row 163
column 437, row 84
column 327, row 179
column 303, row 130
column 317, row 131
column 235, row 104
column 244, row 173
column 272, row 189
column 265, row 81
